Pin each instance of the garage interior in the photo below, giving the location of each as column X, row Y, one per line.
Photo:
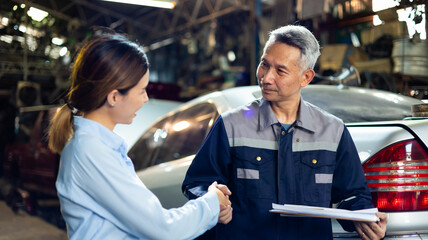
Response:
column 199, row 46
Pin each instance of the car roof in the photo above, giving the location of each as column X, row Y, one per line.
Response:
column 351, row 104
column 356, row 104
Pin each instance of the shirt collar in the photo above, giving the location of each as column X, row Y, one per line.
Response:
column 305, row 119
column 94, row 128
column 268, row 118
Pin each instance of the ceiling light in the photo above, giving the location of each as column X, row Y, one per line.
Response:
column 37, row 14
column 63, row 51
column 5, row 21
column 231, row 56
column 22, row 28
column 57, row 41
column 379, row 5
column 150, row 3
column 6, row 38
column 376, row 20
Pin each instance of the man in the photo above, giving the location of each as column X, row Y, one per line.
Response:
column 281, row 149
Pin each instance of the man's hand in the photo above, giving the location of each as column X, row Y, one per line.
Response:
column 372, row 230
column 223, row 193
column 225, row 215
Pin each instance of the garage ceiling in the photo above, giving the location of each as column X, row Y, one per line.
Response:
column 71, row 20
column 145, row 23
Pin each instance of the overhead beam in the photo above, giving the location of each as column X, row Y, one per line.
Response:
column 196, row 22
column 196, row 10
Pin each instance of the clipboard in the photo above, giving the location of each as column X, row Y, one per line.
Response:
column 365, row 215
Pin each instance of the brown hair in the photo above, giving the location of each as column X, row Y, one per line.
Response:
column 106, row 63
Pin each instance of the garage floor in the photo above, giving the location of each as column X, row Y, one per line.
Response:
column 22, row 226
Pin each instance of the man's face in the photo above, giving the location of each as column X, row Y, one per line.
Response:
column 279, row 73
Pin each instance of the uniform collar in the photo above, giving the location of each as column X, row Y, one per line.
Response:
column 266, row 116
column 304, row 117
column 96, row 129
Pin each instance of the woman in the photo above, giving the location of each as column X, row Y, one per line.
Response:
column 101, row 196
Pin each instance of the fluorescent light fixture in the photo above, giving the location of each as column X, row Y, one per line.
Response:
column 37, row 14
column 149, row 3
column 379, row 5
column 63, row 51
column 57, row 41
column 22, row 28
column 6, row 38
column 5, row 21
column 376, row 20
column 231, row 56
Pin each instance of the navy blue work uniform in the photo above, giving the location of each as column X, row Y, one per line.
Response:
column 313, row 162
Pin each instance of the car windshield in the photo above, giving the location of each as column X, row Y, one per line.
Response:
column 175, row 136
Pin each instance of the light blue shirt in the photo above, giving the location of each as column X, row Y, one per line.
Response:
column 102, row 197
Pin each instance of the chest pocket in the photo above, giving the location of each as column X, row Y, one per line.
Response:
column 254, row 172
column 316, row 172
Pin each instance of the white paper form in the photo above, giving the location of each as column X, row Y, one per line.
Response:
column 365, row 215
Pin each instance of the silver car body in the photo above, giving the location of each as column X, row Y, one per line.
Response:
column 146, row 115
column 165, row 179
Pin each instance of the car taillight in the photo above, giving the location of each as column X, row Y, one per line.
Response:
column 398, row 177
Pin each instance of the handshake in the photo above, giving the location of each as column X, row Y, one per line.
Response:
column 223, row 193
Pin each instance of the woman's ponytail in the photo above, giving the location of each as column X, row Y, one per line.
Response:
column 60, row 129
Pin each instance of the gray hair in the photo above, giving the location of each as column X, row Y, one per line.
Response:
column 301, row 38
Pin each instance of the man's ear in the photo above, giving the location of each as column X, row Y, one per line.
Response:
column 307, row 77
column 113, row 97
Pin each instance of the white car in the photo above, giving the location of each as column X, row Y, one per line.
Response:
column 392, row 147
column 146, row 115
